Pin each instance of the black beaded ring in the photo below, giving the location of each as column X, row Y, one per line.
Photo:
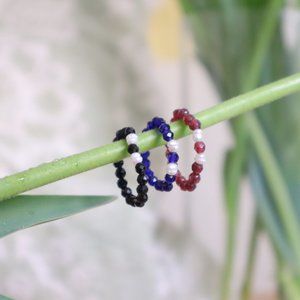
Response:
column 128, row 133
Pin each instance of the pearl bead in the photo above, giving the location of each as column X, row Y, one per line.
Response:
column 131, row 138
column 197, row 135
column 136, row 157
column 172, row 146
column 172, row 169
column 200, row 158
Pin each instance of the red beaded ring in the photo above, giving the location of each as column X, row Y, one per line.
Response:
column 197, row 167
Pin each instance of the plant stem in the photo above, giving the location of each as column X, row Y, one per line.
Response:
column 276, row 184
column 50, row 172
column 247, row 283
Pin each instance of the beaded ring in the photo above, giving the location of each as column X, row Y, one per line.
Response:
column 165, row 185
column 133, row 150
column 199, row 146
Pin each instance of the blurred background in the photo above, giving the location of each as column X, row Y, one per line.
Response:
column 73, row 72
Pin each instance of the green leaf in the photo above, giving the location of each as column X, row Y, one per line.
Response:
column 267, row 211
column 25, row 211
column 251, row 259
column 5, row 298
column 289, row 284
column 233, row 171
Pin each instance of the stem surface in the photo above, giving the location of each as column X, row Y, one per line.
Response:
column 58, row 169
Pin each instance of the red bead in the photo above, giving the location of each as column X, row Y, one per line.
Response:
column 197, row 168
column 199, row 147
column 190, row 186
column 180, row 179
column 184, row 186
column 195, row 124
column 194, row 178
column 176, row 114
column 180, row 113
column 187, row 119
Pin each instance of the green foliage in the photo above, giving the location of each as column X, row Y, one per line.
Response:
column 267, row 211
column 196, row 5
column 26, row 211
column 241, row 44
column 4, row 298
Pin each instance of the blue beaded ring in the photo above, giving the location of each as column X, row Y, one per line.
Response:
column 165, row 185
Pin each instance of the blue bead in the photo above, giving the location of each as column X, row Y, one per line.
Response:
column 146, row 163
column 149, row 173
column 152, row 180
column 159, row 185
column 157, row 122
column 145, row 155
column 150, row 125
column 173, row 157
column 168, row 136
column 170, row 178
column 168, row 187
column 164, row 128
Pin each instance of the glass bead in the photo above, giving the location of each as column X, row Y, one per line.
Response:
column 199, row 147
column 170, row 178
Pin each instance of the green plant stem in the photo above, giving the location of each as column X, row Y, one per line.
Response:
column 247, row 284
column 50, row 172
column 276, row 184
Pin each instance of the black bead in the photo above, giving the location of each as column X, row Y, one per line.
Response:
column 142, row 189
column 119, row 164
column 139, row 204
column 140, row 168
column 120, row 172
column 126, row 192
column 120, row 134
column 122, row 183
column 128, row 130
column 142, row 198
column 130, row 200
column 133, row 148
column 142, row 179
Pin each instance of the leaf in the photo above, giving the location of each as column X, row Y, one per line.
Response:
column 25, row 211
column 233, row 171
column 267, row 211
column 5, row 298
column 289, row 284
column 251, row 259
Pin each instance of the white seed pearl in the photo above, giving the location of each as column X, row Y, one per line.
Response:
column 197, row 135
column 172, row 146
column 172, row 169
column 200, row 158
column 136, row 157
column 131, row 138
